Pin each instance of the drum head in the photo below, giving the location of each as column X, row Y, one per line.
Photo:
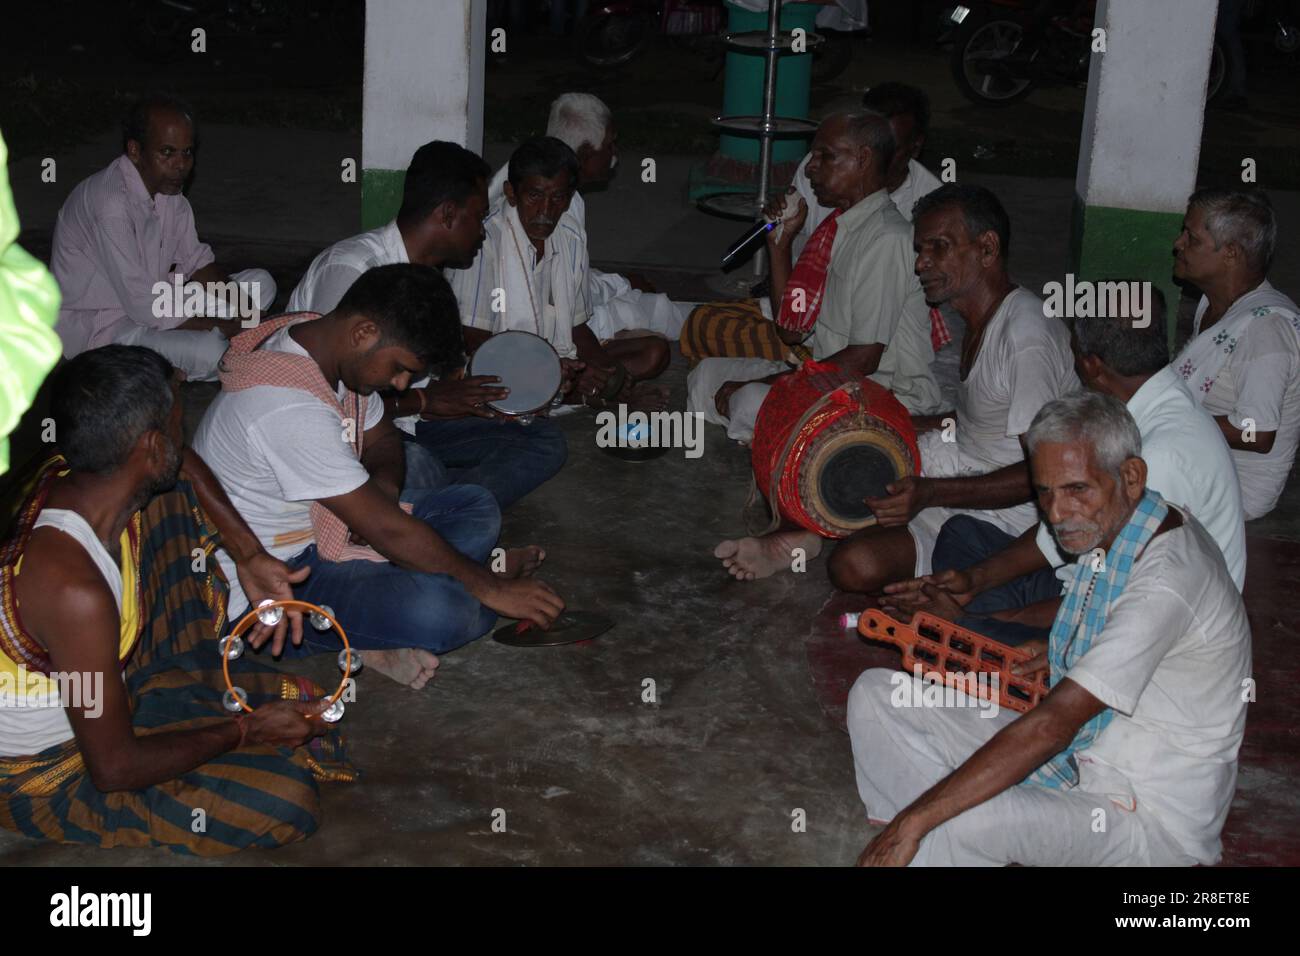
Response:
column 845, row 465
column 526, row 364
column 855, row 473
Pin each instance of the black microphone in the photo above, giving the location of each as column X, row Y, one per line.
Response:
column 740, row 245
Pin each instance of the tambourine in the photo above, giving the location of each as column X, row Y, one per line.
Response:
column 270, row 613
column 527, row 365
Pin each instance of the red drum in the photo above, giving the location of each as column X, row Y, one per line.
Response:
column 823, row 442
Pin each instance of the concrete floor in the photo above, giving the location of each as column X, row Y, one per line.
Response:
column 749, row 679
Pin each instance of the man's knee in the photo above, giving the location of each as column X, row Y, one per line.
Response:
column 655, row 356
column 549, row 448
column 965, row 540
column 869, row 696
column 423, row 469
column 859, row 565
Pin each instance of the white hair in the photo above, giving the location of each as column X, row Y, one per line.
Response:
column 578, row 119
column 1101, row 422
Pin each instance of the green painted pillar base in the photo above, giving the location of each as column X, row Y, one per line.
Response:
column 1127, row 244
column 381, row 196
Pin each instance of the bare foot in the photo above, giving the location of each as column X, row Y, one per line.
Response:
column 751, row 558
column 647, row 398
column 522, row 562
column 411, row 666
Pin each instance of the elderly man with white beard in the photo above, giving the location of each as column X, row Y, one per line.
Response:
column 1151, row 621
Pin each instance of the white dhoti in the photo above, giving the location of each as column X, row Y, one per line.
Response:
column 197, row 353
column 944, row 459
column 617, row 307
column 712, row 373
column 901, row 751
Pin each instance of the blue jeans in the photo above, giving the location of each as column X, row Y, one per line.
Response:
column 506, row 458
column 384, row 607
column 965, row 541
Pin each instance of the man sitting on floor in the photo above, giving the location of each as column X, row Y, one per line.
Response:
column 531, row 275
column 1006, row 588
column 1014, row 360
column 854, row 290
column 1243, row 361
column 299, row 440
column 908, row 110
column 618, row 304
column 454, row 435
column 112, row 730
column 745, row 328
column 128, row 228
column 1114, row 766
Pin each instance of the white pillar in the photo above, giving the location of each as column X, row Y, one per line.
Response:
column 1141, row 139
column 423, row 81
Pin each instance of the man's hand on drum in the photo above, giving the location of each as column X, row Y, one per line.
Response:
column 457, row 398
column 945, row 594
column 906, row 498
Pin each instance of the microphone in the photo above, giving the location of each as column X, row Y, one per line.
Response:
column 759, row 229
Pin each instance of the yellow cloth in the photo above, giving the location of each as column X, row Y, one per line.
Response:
column 31, row 683
column 29, row 308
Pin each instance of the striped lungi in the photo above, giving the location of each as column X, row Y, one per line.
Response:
column 256, row 796
column 735, row 330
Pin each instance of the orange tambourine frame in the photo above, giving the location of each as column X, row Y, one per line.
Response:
column 951, row 649
column 249, row 619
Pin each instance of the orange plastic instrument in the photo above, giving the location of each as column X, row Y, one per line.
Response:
column 249, row 619
column 954, row 652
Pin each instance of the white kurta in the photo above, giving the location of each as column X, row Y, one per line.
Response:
column 1247, row 367
column 1162, row 772
column 615, row 305
column 508, row 286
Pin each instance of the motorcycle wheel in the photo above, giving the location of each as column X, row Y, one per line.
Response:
column 980, row 46
column 608, row 41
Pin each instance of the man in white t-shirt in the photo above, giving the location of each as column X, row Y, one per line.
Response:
column 532, row 275
column 1015, row 359
column 454, row 436
column 287, row 457
column 908, row 110
column 1146, row 713
column 1005, row 587
column 1243, row 361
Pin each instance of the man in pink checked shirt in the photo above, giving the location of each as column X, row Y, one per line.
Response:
column 125, row 241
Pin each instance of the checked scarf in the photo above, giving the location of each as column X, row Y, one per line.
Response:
column 246, row 366
column 807, row 287
column 807, row 283
column 1082, row 617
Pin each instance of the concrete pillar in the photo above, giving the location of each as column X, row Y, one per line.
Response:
column 1141, row 139
column 423, row 81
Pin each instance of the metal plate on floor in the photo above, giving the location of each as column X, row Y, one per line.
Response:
column 569, row 628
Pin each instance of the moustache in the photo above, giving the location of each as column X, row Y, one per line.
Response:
column 1079, row 528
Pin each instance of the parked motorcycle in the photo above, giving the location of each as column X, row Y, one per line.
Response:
column 1004, row 49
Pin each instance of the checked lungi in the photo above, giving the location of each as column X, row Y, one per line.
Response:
column 256, row 796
